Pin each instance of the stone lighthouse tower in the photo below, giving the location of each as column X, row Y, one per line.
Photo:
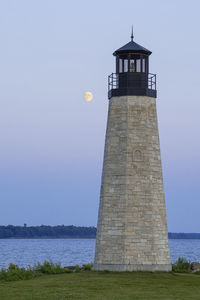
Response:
column 132, row 228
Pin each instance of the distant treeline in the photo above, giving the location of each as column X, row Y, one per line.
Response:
column 62, row 231
column 44, row 231
column 173, row 235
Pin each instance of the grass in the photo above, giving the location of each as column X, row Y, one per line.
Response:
column 105, row 286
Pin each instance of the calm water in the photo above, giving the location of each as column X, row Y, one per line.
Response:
column 74, row 251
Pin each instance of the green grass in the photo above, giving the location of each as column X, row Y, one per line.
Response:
column 105, row 286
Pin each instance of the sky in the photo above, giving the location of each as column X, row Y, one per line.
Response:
column 52, row 141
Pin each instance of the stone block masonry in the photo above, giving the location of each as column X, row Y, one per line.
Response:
column 132, row 229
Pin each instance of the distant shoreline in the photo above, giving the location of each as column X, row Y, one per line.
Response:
column 48, row 238
column 46, row 232
column 65, row 232
column 75, row 238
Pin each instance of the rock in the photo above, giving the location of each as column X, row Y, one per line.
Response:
column 195, row 267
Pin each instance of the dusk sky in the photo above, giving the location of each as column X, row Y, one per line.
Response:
column 52, row 140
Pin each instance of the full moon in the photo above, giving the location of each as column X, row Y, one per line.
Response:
column 88, row 96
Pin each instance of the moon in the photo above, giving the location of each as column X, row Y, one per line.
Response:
column 88, row 96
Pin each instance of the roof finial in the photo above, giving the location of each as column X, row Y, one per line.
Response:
column 132, row 34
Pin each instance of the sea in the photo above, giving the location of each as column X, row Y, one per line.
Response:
column 68, row 252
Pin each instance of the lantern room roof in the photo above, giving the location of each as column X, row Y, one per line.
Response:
column 132, row 47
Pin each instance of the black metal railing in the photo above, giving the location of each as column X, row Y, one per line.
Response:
column 149, row 81
column 113, row 81
column 152, row 81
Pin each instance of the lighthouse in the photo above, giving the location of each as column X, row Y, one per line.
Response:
column 132, row 230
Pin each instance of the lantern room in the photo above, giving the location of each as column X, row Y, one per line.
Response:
column 132, row 75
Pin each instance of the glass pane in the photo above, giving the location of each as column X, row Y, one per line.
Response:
column 132, row 65
column 143, row 65
column 125, row 65
column 138, row 66
column 120, row 65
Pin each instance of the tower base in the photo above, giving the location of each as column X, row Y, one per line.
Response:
column 134, row 267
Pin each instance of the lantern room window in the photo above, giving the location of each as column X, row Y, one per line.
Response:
column 138, row 65
column 143, row 65
column 132, row 65
column 120, row 65
column 125, row 65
